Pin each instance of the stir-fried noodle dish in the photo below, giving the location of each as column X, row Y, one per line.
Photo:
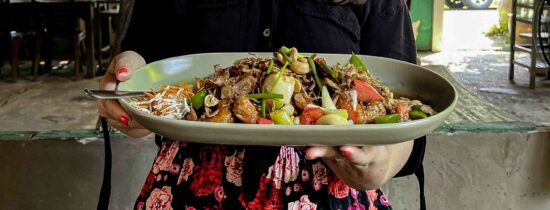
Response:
column 288, row 88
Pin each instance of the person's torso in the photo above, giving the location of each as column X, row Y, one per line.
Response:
column 196, row 26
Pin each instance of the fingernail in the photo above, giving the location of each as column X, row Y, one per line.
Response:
column 346, row 153
column 124, row 120
column 311, row 157
column 122, row 70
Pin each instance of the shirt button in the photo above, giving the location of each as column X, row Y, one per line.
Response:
column 267, row 32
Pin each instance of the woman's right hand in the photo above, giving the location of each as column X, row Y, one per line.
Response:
column 120, row 69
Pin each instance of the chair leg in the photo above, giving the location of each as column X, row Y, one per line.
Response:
column 47, row 51
column 37, row 56
column 77, row 56
column 15, row 44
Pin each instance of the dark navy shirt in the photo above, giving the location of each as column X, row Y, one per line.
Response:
column 161, row 29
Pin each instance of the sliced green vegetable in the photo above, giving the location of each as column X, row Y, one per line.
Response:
column 281, row 117
column 325, row 67
column 285, row 55
column 391, row 118
column 417, row 114
column 270, row 67
column 326, row 100
column 417, row 107
column 341, row 112
column 285, row 49
column 278, row 104
column 279, row 75
column 265, row 96
column 314, row 70
column 263, row 104
column 263, row 107
column 358, row 63
column 197, row 100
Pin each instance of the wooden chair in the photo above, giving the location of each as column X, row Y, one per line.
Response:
column 108, row 14
column 18, row 23
column 61, row 38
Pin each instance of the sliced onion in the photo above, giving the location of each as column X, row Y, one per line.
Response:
column 326, row 100
column 353, row 94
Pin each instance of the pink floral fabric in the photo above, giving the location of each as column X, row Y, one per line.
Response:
column 198, row 176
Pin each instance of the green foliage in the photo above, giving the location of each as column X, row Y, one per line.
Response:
column 500, row 29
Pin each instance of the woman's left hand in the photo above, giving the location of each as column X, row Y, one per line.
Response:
column 364, row 167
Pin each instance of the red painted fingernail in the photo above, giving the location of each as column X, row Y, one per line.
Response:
column 122, row 70
column 124, row 120
column 346, row 153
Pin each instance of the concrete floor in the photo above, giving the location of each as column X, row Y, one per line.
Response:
column 481, row 64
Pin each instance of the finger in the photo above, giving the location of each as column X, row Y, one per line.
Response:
column 116, row 112
column 120, row 69
column 321, row 152
column 132, row 132
column 124, row 64
column 116, row 124
column 359, row 156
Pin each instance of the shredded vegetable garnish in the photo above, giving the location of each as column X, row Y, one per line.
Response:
column 169, row 101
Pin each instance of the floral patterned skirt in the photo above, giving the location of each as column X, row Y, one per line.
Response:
column 201, row 176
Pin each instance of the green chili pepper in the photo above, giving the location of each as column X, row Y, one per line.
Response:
column 391, row 118
column 325, row 67
column 281, row 117
column 358, row 63
column 417, row 107
column 270, row 67
column 417, row 114
column 277, row 104
column 341, row 112
column 265, row 95
column 315, row 74
column 198, row 99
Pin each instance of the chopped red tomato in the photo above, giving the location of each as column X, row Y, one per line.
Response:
column 262, row 120
column 365, row 92
column 357, row 115
column 311, row 115
column 403, row 110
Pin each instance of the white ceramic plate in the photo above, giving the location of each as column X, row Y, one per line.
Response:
column 402, row 78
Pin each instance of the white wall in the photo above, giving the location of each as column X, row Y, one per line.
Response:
column 481, row 171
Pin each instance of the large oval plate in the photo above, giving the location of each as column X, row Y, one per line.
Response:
column 402, row 78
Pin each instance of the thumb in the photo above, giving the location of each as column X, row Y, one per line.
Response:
column 124, row 64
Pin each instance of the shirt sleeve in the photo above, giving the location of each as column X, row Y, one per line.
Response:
column 387, row 30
